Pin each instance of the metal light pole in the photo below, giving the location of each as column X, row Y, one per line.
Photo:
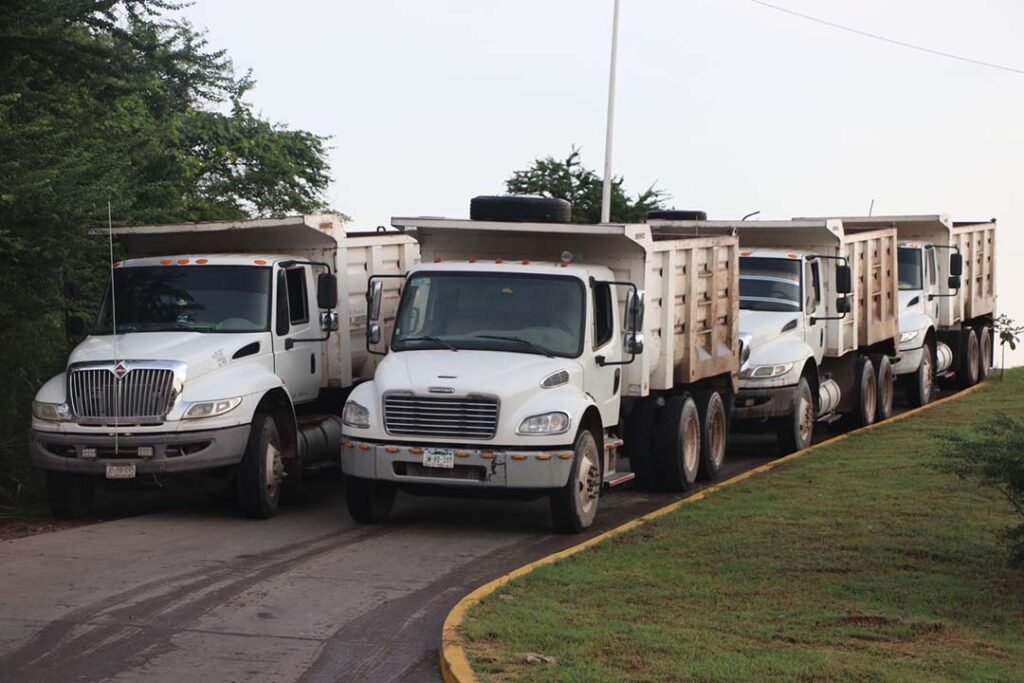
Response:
column 606, row 194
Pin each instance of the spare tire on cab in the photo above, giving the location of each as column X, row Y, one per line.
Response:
column 520, row 209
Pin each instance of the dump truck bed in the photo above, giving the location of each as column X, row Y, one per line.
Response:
column 691, row 285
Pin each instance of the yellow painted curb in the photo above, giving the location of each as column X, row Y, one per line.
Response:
column 455, row 666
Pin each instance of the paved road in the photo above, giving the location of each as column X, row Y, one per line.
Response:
column 197, row 594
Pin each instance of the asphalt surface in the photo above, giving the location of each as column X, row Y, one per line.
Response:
column 191, row 592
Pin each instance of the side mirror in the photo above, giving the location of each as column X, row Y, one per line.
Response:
column 283, row 324
column 75, row 326
column 70, row 290
column 329, row 321
column 844, row 279
column 635, row 313
column 374, row 296
column 635, row 342
column 327, row 290
column 956, row 265
column 843, row 305
column 372, row 333
column 954, row 281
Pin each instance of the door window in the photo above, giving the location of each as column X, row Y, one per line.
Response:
column 814, row 288
column 298, row 309
column 603, row 314
column 932, row 277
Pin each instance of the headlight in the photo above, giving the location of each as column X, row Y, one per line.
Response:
column 211, row 408
column 767, row 371
column 51, row 412
column 908, row 336
column 548, row 423
column 355, row 415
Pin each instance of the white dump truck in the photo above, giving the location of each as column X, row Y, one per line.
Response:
column 947, row 297
column 220, row 347
column 818, row 322
column 532, row 357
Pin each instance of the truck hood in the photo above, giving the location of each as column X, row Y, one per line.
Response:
column 201, row 352
column 469, row 372
column 912, row 300
column 764, row 326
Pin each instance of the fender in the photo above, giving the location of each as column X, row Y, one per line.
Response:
column 914, row 321
column 780, row 350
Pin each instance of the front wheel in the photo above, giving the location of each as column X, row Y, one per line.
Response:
column 70, row 495
column 919, row 385
column 796, row 430
column 261, row 472
column 574, row 506
column 369, row 501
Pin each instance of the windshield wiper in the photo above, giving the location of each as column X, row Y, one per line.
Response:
column 429, row 338
column 525, row 342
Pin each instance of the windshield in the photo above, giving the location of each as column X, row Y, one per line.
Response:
column 540, row 314
column 188, row 298
column 770, row 284
column 910, row 269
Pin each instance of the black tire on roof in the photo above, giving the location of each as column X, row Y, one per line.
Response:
column 520, row 209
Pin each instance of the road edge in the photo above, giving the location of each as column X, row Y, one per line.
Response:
column 454, row 664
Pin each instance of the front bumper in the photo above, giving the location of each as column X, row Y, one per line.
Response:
column 172, row 452
column 763, row 404
column 907, row 361
column 474, row 466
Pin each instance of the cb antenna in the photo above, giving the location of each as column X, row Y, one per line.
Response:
column 871, row 208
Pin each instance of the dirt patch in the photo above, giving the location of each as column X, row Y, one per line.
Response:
column 20, row 527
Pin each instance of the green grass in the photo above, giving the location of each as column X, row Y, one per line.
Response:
column 859, row 562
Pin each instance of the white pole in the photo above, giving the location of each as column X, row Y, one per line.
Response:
column 606, row 194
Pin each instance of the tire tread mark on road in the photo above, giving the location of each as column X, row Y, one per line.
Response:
column 108, row 648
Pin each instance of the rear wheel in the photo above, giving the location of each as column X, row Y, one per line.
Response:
column 70, row 495
column 919, row 386
column 261, row 472
column 867, row 392
column 985, row 353
column 574, row 506
column 677, row 443
column 639, row 438
column 369, row 501
column 796, row 430
column 714, row 429
column 970, row 360
column 884, row 378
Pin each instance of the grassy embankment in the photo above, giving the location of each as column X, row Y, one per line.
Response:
column 859, row 562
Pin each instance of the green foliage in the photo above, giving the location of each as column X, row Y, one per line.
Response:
column 568, row 179
column 993, row 454
column 1009, row 335
column 119, row 101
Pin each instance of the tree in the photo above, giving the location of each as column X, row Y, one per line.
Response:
column 1009, row 334
column 568, row 179
column 119, row 101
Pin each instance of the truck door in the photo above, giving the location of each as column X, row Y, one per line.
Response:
column 297, row 357
column 931, row 284
column 604, row 383
column 814, row 330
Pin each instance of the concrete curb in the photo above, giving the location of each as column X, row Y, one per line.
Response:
column 455, row 666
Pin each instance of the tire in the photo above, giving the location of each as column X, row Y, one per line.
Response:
column 676, row 215
column 967, row 375
column 677, row 443
column 520, row 209
column 714, row 430
column 639, row 442
column 921, row 384
column 261, row 472
column 866, row 384
column 574, row 506
column 985, row 353
column 70, row 495
column 369, row 501
column 797, row 430
column 885, row 379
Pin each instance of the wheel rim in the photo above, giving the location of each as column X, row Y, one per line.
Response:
column 869, row 396
column 806, row 415
column 691, row 445
column 986, row 353
column 926, row 375
column 588, row 478
column 886, row 391
column 275, row 468
column 973, row 359
column 717, row 436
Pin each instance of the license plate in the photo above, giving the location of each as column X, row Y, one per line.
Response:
column 121, row 471
column 439, row 457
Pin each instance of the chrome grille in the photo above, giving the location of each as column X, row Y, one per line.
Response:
column 143, row 393
column 470, row 418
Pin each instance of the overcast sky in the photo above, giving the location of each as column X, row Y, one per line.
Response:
column 728, row 105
